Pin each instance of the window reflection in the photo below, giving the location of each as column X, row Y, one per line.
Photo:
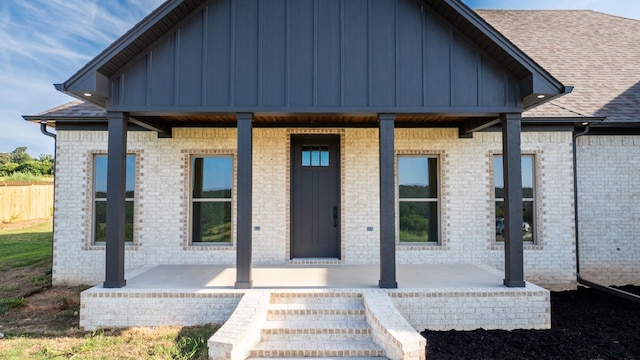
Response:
column 418, row 196
column 528, row 197
column 100, row 198
column 211, row 186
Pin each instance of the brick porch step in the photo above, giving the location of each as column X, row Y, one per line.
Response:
column 317, row 311
column 314, row 348
column 319, row 325
column 318, row 330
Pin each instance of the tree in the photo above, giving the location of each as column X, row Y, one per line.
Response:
column 46, row 158
column 8, row 168
column 19, row 155
column 34, row 167
column 4, row 158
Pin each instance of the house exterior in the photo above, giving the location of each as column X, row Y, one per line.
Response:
column 353, row 132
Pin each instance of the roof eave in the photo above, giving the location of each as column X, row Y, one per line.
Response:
column 540, row 82
column 88, row 84
column 38, row 119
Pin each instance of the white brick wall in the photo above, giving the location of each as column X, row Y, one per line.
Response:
column 466, row 200
column 488, row 308
column 609, row 210
column 148, row 308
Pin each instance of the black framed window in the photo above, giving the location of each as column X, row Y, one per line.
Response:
column 315, row 156
column 528, row 197
column 211, row 195
column 100, row 198
column 418, row 197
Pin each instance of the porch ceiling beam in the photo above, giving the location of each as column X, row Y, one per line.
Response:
column 387, row 202
column 470, row 126
column 244, row 205
column 512, row 171
column 116, row 200
column 161, row 127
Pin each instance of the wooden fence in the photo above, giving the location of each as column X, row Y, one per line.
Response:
column 23, row 200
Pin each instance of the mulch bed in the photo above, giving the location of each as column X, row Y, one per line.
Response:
column 585, row 324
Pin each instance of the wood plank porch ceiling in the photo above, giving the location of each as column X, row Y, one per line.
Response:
column 286, row 120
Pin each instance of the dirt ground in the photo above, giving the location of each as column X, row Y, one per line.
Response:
column 585, row 324
column 51, row 312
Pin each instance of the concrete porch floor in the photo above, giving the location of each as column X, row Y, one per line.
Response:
column 434, row 276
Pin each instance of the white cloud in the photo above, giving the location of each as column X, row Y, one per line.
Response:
column 45, row 42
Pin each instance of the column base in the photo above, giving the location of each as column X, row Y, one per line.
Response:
column 244, row 284
column 511, row 283
column 388, row 284
column 114, row 284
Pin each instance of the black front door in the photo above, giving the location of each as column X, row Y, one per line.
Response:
column 315, row 196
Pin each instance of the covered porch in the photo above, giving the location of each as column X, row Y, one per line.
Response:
column 432, row 64
column 431, row 296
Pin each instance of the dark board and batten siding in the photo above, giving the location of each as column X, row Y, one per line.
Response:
column 314, row 56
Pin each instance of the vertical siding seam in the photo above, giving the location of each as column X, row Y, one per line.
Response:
column 260, row 59
column 397, row 54
column 232, row 52
column 149, row 78
column 205, row 53
column 341, row 47
column 451, row 66
column 479, row 78
column 369, row 56
column 176, row 71
column 425, row 64
column 314, row 79
column 121, row 90
column 287, row 52
column 505, row 78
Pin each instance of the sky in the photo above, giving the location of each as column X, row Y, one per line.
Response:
column 43, row 42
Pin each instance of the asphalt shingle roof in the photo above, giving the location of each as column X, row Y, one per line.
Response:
column 598, row 54
column 74, row 109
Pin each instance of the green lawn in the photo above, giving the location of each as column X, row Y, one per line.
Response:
column 26, row 246
column 41, row 322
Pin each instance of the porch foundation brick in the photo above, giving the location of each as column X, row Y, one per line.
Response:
column 235, row 339
column 474, row 308
column 390, row 330
column 117, row 308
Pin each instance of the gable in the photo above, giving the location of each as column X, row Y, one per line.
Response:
column 328, row 56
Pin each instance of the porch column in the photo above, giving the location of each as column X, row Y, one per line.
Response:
column 512, row 165
column 387, row 203
column 116, row 196
column 244, row 182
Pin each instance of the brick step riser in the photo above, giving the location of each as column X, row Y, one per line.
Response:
column 317, row 353
column 317, row 311
column 315, row 317
column 311, row 300
column 314, row 338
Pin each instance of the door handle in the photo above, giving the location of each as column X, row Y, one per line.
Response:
column 335, row 216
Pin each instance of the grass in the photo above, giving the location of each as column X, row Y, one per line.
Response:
column 25, row 247
column 135, row 343
column 42, row 322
